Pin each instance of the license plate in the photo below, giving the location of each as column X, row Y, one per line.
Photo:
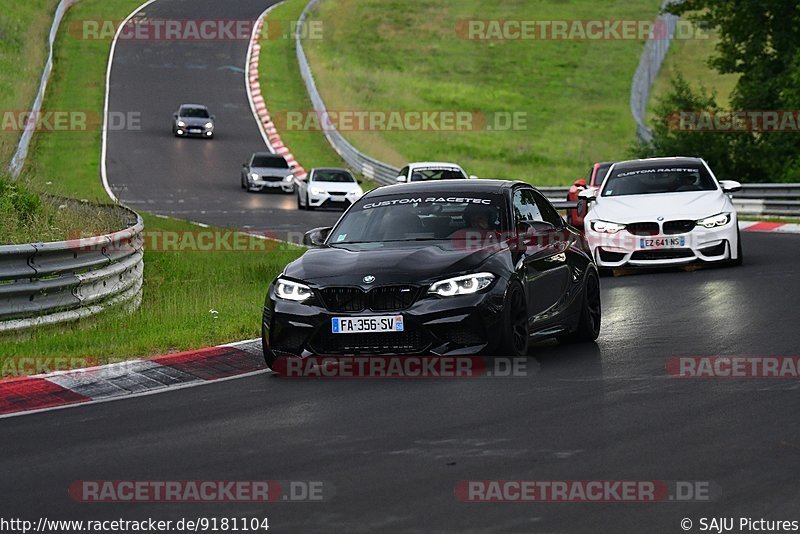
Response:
column 195, row 130
column 357, row 325
column 662, row 242
column 337, row 199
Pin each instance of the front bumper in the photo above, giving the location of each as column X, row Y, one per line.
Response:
column 326, row 200
column 194, row 131
column 451, row 326
column 260, row 185
column 624, row 249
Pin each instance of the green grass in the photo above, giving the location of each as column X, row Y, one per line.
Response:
column 689, row 57
column 24, row 27
column 406, row 55
column 180, row 288
column 284, row 91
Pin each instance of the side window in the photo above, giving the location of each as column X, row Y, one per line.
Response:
column 404, row 172
column 549, row 213
column 525, row 207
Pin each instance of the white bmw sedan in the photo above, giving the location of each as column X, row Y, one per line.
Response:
column 328, row 188
column 662, row 211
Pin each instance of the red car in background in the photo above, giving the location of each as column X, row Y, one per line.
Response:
column 594, row 178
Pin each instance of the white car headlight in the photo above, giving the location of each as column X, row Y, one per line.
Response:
column 462, row 285
column 288, row 178
column 316, row 191
column 720, row 219
column 289, row 290
column 254, row 176
column 209, row 125
column 356, row 192
column 181, row 124
column 607, row 227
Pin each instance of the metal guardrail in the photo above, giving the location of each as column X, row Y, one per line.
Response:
column 779, row 200
column 371, row 168
column 45, row 283
column 18, row 160
column 655, row 50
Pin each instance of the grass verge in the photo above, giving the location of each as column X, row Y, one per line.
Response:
column 24, row 27
column 408, row 56
column 180, row 288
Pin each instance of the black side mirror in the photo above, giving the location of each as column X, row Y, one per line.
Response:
column 534, row 228
column 317, row 236
column 175, row 115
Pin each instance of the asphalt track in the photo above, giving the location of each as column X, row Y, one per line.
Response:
column 393, row 450
column 197, row 179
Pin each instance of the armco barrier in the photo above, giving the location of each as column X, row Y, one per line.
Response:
column 18, row 160
column 44, row 283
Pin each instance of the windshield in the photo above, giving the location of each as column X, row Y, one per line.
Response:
column 270, row 162
column 418, row 217
column 333, row 176
column 194, row 113
column 423, row 174
column 648, row 180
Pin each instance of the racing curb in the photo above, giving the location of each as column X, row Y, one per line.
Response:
column 268, row 130
column 763, row 226
column 130, row 378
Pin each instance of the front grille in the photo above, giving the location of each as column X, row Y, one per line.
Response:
column 678, row 227
column 643, row 228
column 290, row 340
column 338, row 193
column 663, row 254
column 715, row 250
column 272, row 178
column 460, row 334
column 344, row 299
column 372, row 343
column 611, row 257
column 379, row 299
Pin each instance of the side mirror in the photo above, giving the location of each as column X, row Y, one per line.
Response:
column 589, row 194
column 730, row 186
column 473, row 177
column 174, row 115
column 401, row 179
column 317, row 236
column 213, row 117
column 244, row 165
column 534, row 228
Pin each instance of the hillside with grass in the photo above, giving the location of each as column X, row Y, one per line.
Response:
column 411, row 56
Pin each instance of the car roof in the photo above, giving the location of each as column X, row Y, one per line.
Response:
column 678, row 160
column 267, row 155
column 331, row 169
column 434, row 164
column 485, row 185
column 201, row 106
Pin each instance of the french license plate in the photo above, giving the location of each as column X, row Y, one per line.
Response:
column 357, row 325
column 662, row 242
column 337, row 199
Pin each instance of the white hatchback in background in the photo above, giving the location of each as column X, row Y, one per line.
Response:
column 662, row 211
column 431, row 170
column 328, row 187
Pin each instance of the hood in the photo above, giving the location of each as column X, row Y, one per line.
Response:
column 335, row 187
column 401, row 264
column 194, row 121
column 269, row 171
column 671, row 206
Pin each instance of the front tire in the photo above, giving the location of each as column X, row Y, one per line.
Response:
column 515, row 323
column 588, row 328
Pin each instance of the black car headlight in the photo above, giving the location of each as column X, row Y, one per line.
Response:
column 462, row 285
column 288, row 290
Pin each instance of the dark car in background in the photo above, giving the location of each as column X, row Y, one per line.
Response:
column 444, row 267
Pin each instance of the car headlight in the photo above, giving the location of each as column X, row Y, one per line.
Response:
column 607, row 227
column 288, row 178
column 289, row 290
column 209, row 125
column 720, row 219
column 254, row 176
column 356, row 192
column 317, row 191
column 462, row 285
column 181, row 124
